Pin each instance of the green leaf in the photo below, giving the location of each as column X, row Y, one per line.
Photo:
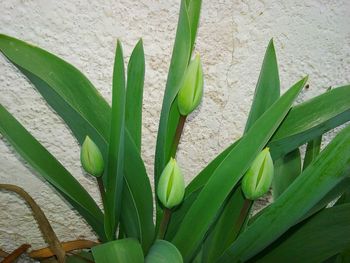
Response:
column 75, row 120
column 68, row 107
column 287, row 168
column 194, row 8
column 163, row 252
column 192, row 191
column 64, row 79
column 178, row 65
column 134, row 94
column 169, row 116
column 119, row 251
column 229, row 172
column 307, row 190
column 332, row 195
column 321, row 237
column 137, row 202
column 344, row 256
column 236, row 210
column 178, row 214
column 312, row 150
column 49, row 168
column 115, row 162
column 314, row 117
column 225, row 229
column 267, row 90
column 311, row 119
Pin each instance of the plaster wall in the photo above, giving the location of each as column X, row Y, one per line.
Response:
column 311, row 37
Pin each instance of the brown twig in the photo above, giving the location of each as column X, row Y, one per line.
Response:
column 43, row 223
column 3, row 253
column 67, row 246
column 10, row 258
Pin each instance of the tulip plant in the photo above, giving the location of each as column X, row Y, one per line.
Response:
column 211, row 219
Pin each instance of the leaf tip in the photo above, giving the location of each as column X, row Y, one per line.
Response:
column 305, row 79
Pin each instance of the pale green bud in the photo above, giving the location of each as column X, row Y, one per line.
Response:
column 191, row 91
column 171, row 185
column 257, row 180
column 91, row 158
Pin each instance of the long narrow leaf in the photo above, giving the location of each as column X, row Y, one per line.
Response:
column 74, row 111
column 267, row 90
column 307, row 190
column 323, row 236
column 178, row 65
column 42, row 221
column 169, row 116
column 314, row 118
column 115, row 162
column 137, row 202
column 134, row 94
column 311, row 119
column 287, row 168
column 318, row 122
column 49, row 168
column 62, row 77
column 312, row 150
column 179, row 213
column 225, row 229
column 332, row 195
column 192, row 192
column 194, row 8
column 228, row 225
column 229, row 172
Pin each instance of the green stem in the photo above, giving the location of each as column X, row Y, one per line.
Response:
column 101, row 188
column 164, row 223
column 179, row 129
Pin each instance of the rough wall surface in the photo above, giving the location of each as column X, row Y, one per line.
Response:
column 311, row 37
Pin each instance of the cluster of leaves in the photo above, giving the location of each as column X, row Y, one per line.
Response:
column 213, row 223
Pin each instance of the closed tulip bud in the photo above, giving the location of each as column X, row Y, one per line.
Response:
column 91, row 158
column 191, row 91
column 257, row 181
column 171, row 185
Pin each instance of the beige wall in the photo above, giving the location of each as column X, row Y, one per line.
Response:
column 311, row 37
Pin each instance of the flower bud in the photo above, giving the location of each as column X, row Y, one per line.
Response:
column 191, row 91
column 257, row 180
column 91, row 158
column 171, row 185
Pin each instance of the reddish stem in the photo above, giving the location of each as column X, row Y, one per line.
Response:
column 179, row 129
column 243, row 214
column 164, row 223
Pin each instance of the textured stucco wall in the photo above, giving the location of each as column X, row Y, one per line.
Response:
column 311, row 37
